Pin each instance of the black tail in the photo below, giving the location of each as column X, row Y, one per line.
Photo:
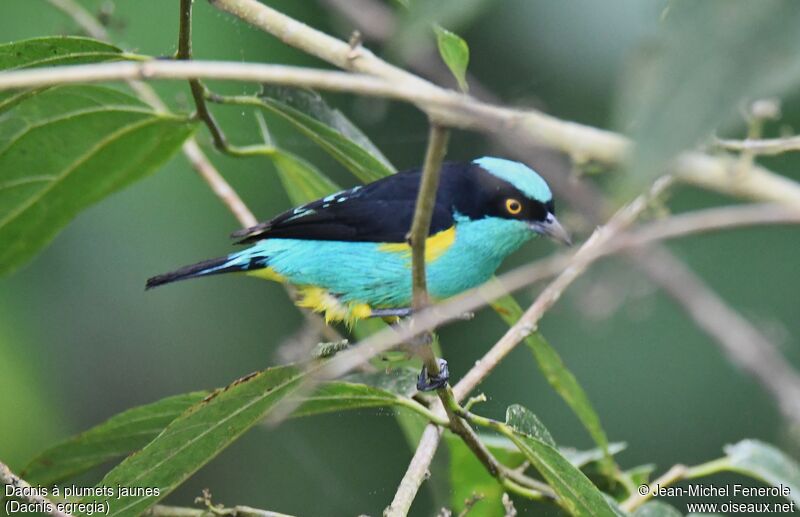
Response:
column 206, row 267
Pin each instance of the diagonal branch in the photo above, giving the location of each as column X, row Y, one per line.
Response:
column 33, row 495
column 191, row 150
column 743, row 343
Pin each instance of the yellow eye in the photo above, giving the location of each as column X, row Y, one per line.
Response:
column 513, row 206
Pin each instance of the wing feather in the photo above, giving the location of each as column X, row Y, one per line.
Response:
column 381, row 211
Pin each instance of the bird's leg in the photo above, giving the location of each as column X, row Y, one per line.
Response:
column 408, row 311
column 427, row 382
column 403, row 312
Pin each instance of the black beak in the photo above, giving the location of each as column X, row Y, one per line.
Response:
column 553, row 229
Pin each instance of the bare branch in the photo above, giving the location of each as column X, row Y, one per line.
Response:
column 194, row 154
column 447, row 108
column 423, row 212
column 765, row 147
column 221, row 188
column 82, row 17
column 32, row 495
column 235, row 511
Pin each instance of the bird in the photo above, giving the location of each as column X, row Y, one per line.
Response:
column 348, row 253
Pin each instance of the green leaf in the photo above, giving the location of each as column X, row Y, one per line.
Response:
column 579, row 458
column 576, row 493
column 50, row 51
column 455, row 54
column 67, row 148
column 529, row 424
column 413, row 35
column 131, row 430
column 762, row 461
column 361, row 391
column 329, row 129
column 400, row 381
column 302, row 181
column 119, row 435
column 197, row 436
column 685, row 83
column 656, row 509
column 561, row 379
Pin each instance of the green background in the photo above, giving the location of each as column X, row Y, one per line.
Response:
column 80, row 339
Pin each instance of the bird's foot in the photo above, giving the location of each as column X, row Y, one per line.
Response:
column 427, row 382
column 388, row 313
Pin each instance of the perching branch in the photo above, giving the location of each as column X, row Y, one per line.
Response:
column 418, row 234
column 43, row 504
column 423, row 212
column 420, row 228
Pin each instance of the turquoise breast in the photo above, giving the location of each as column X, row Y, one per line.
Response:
column 361, row 272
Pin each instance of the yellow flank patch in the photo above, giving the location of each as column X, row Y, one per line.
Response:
column 320, row 300
column 435, row 245
column 267, row 273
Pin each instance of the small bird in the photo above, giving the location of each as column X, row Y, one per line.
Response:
column 348, row 254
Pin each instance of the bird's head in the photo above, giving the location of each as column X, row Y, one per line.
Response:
column 511, row 191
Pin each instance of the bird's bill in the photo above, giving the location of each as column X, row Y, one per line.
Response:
column 553, row 229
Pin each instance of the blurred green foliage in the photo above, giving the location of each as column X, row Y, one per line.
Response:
column 81, row 341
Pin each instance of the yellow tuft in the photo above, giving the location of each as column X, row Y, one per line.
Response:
column 267, row 273
column 320, row 300
column 435, row 245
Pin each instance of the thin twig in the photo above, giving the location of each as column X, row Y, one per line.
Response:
column 764, row 147
column 198, row 92
column 235, row 511
column 673, row 475
column 423, row 212
column 82, row 17
column 31, row 494
column 531, row 273
column 420, row 228
column 194, row 154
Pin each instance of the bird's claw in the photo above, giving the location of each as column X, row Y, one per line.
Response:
column 427, row 382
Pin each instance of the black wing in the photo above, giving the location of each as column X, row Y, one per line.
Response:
column 381, row 211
